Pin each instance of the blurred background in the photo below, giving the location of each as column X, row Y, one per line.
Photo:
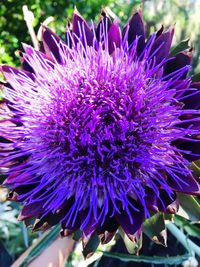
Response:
column 185, row 14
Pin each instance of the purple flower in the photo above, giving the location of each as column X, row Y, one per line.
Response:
column 99, row 130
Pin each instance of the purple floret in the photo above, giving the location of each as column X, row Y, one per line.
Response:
column 100, row 130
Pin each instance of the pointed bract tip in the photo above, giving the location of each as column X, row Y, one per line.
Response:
column 85, row 239
column 20, row 217
column 76, row 12
column 139, row 11
column 116, row 21
column 191, row 50
column 25, row 46
column 172, row 27
column 68, row 25
column 44, row 27
column 104, row 13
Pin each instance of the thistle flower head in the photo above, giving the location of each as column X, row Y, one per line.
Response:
column 99, row 130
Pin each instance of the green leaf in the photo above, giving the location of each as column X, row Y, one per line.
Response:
column 187, row 226
column 168, row 217
column 133, row 247
column 155, row 229
column 5, row 259
column 90, row 247
column 29, row 222
column 196, row 77
column 173, row 260
column 40, row 246
column 196, row 169
column 183, row 45
column 77, row 235
column 68, row 262
column 25, row 234
column 189, row 207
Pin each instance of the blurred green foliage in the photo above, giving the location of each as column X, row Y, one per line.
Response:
column 13, row 28
column 13, row 234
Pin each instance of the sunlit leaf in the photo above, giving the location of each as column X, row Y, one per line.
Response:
column 154, row 228
column 196, row 77
column 196, row 169
column 183, row 45
column 187, row 226
column 133, row 246
column 91, row 246
column 189, row 207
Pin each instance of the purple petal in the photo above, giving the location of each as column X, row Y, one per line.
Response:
column 114, row 37
column 189, row 185
column 31, row 210
column 109, row 225
column 12, row 177
column 30, row 51
column 191, row 148
column 165, row 200
column 9, row 73
column 50, row 43
column 162, row 202
column 179, row 61
column 91, row 225
column 24, row 63
column 160, row 31
column 151, row 200
column 173, row 207
column 188, row 124
column 163, row 44
column 68, row 34
column 135, row 28
column 103, row 26
column 81, row 30
column 133, row 224
column 68, row 225
column 68, row 38
column 108, row 230
column 45, row 222
column 192, row 101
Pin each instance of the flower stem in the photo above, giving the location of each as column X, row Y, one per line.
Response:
column 29, row 17
column 186, row 242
